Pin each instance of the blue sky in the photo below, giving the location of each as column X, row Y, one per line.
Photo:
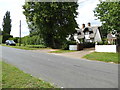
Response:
column 85, row 10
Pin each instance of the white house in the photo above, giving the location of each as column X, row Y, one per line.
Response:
column 89, row 34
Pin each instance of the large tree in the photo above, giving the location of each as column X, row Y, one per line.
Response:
column 6, row 26
column 109, row 15
column 52, row 21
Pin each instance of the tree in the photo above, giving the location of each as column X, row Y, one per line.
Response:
column 6, row 26
column 7, row 23
column 51, row 21
column 0, row 31
column 109, row 15
column 0, row 36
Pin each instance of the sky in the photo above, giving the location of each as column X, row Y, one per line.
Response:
column 85, row 15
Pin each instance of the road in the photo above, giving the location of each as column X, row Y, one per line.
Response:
column 63, row 71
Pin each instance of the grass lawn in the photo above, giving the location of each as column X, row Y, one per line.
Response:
column 103, row 56
column 12, row 77
column 62, row 51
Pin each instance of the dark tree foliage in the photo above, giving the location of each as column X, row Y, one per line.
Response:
column 51, row 21
column 7, row 23
column 6, row 26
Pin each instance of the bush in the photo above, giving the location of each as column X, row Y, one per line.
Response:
column 65, row 46
column 89, row 44
column 16, row 39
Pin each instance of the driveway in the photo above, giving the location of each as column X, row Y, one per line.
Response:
column 77, row 54
column 63, row 71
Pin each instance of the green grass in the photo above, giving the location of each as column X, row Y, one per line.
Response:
column 0, row 75
column 62, row 51
column 27, row 47
column 103, row 56
column 12, row 77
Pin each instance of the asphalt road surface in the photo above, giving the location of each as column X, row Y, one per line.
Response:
column 63, row 71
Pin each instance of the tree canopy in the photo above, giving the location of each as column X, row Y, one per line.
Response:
column 52, row 21
column 109, row 15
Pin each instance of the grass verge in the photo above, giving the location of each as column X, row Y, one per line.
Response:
column 28, row 47
column 62, row 51
column 103, row 56
column 0, row 74
column 12, row 77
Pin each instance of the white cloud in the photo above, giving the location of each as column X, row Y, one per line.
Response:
column 86, row 13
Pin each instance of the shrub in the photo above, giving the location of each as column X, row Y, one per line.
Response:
column 65, row 46
column 72, row 42
column 102, row 43
column 89, row 44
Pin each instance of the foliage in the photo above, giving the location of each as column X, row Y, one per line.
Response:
column 32, row 40
column 103, row 56
column 105, row 42
column 0, row 39
column 12, row 77
column 6, row 36
column 52, row 21
column 7, row 23
column 6, row 26
column 109, row 15
column 1, row 36
column 102, row 43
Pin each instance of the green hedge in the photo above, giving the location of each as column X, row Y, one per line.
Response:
column 36, row 46
column 34, row 40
